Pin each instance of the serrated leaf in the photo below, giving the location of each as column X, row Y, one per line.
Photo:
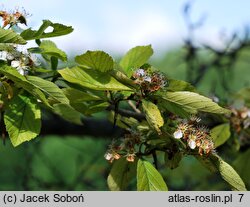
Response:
column 77, row 96
column 49, row 48
column 49, row 88
column 67, row 113
column 220, row 134
column 148, row 178
column 216, row 164
column 135, row 58
column 193, row 102
column 58, row 30
column 21, row 81
column 9, row 36
column 22, row 119
column 92, row 79
column 97, row 60
column 121, row 174
column 153, row 115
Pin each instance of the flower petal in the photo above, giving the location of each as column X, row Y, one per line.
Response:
column 178, row 134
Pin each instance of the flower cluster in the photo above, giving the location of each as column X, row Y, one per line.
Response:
column 240, row 118
column 149, row 81
column 13, row 17
column 195, row 136
column 23, row 61
column 126, row 148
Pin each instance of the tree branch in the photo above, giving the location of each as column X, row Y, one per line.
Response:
column 127, row 113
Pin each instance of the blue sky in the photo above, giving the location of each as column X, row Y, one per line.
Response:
column 115, row 26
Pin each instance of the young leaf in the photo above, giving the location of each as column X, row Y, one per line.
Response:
column 216, row 164
column 193, row 102
column 22, row 119
column 220, row 134
column 135, row 58
column 121, row 174
column 49, row 48
column 9, row 36
column 92, row 79
column 148, row 178
column 68, row 113
column 58, row 30
column 49, row 88
column 97, row 60
column 153, row 115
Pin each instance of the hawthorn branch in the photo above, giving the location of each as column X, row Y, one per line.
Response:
column 127, row 113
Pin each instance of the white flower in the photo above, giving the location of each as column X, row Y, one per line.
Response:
column 22, row 69
column 140, row 72
column 191, row 143
column 108, row 156
column 148, row 79
column 3, row 55
column 178, row 134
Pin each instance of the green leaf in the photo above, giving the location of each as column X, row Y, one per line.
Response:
column 153, row 115
column 97, row 60
column 220, row 134
column 68, row 113
column 21, row 81
column 49, row 48
column 22, row 119
column 77, row 96
column 179, row 85
column 9, row 36
column 216, row 164
column 193, row 102
column 121, row 174
column 148, row 178
column 135, row 58
column 92, row 79
column 49, row 88
column 58, row 30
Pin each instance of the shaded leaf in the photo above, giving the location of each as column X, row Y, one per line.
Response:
column 135, row 58
column 92, row 79
column 98, row 60
column 58, row 30
column 193, row 102
column 9, row 36
column 121, row 174
column 173, row 162
column 148, row 178
column 68, row 113
column 22, row 119
column 220, row 134
column 153, row 115
column 77, row 96
column 216, row 164
column 49, row 48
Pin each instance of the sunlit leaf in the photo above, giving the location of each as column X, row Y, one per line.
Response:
column 9, row 36
column 22, row 119
column 135, row 58
column 153, row 115
column 193, row 102
column 148, row 178
column 92, row 79
column 98, row 60
column 58, row 30
column 49, row 48
column 49, row 88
